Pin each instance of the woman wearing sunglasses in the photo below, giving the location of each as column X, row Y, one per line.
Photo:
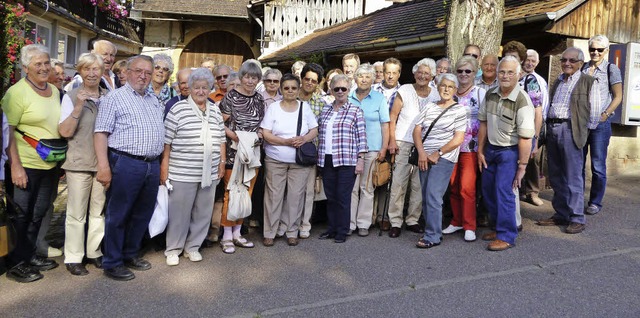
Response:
column 279, row 128
column 271, row 82
column 465, row 171
column 341, row 150
column 162, row 70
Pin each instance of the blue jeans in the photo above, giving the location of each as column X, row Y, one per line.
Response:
column 597, row 144
column 434, row 183
column 338, row 183
column 497, row 189
column 131, row 199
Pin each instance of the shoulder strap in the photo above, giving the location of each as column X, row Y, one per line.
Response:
column 299, row 119
column 609, row 77
column 434, row 122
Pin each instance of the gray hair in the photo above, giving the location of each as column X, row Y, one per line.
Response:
column 365, row 68
column 87, row 59
column 378, row 63
column 298, row 64
column 220, row 67
column 201, row 74
column 575, row 49
column 29, row 51
column 141, row 57
column 338, row 78
column 56, row 62
column 186, row 70
column 161, row 57
column 103, row 43
column 510, row 58
column 430, row 63
column 252, row 68
column 600, row 38
column 444, row 59
column 233, row 76
column 448, row 77
column 468, row 60
column 531, row 52
column 273, row 71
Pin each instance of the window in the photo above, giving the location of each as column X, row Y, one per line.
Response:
column 66, row 48
column 38, row 33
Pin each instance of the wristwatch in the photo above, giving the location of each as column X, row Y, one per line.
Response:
column 440, row 153
column 608, row 114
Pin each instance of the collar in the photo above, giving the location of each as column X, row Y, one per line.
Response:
column 602, row 67
column 128, row 87
column 381, row 86
column 571, row 78
column 353, row 94
column 513, row 96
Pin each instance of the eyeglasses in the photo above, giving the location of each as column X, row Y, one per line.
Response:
column 310, row 80
column 507, row 74
column 572, row 61
column 475, row 56
column 290, row 88
column 599, row 49
column 464, row 71
column 158, row 67
column 340, row 89
column 219, row 77
column 272, row 81
column 140, row 71
column 447, row 87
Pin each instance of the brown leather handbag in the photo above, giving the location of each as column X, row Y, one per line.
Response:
column 381, row 171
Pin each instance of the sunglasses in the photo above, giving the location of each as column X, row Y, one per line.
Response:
column 272, row 81
column 158, row 67
column 219, row 77
column 340, row 89
column 464, row 71
column 290, row 88
column 572, row 61
column 475, row 56
column 310, row 80
column 599, row 49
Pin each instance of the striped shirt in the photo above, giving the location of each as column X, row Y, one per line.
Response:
column 246, row 113
column 182, row 132
column 133, row 122
column 601, row 73
column 389, row 93
column 348, row 134
column 560, row 102
column 454, row 120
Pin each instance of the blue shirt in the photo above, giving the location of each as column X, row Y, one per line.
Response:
column 376, row 113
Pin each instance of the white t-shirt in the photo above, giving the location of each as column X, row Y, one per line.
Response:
column 411, row 106
column 328, row 136
column 284, row 125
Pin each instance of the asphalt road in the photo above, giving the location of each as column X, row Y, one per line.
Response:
column 548, row 274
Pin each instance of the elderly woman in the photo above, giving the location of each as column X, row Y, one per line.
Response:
column 376, row 115
column 162, row 70
column 193, row 161
column 341, row 150
column 242, row 110
column 233, row 81
column 279, row 128
column 32, row 107
column 120, row 69
column 439, row 131
column 407, row 104
column 56, row 77
column 465, row 171
column 86, row 194
column 271, row 82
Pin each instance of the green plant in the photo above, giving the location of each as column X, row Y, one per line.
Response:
column 13, row 38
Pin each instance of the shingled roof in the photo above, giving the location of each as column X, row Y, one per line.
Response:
column 218, row 8
column 400, row 24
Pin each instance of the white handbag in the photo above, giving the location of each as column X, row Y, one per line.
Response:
column 239, row 202
column 160, row 217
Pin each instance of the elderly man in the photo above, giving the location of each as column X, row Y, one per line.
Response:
column 610, row 86
column 379, row 67
column 507, row 124
column 129, row 138
column 209, row 63
column 443, row 66
column 109, row 81
column 350, row 63
column 569, row 119
column 296, row 68
column 183, row 88
column 221, row 73
column 311, row 75
column 489, row 77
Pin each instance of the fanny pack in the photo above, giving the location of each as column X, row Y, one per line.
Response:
column 50, row 150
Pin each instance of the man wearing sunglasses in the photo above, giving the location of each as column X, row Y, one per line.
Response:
column 220, row 73
column 569, row 119
column 610, row 86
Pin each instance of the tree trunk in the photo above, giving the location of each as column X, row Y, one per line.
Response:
column 474, row 21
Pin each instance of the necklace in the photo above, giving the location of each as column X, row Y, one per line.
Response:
column 36, row 86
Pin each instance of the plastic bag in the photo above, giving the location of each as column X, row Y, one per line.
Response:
column 160, row 217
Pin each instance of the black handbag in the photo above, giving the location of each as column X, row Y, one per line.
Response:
column 413, row 153
column 307, row 154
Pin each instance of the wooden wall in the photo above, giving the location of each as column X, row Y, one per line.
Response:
column 223, row 47
column 617, row 19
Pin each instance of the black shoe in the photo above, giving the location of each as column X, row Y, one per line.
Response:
column 340, row 239
column 77, row 269
column 97, row 262
column 23, row 273
column 137, row 263
column 394, row 232
column 416, row 228
column 207, row 243
column 119, row 273
column 42, row 264
column 327, row 235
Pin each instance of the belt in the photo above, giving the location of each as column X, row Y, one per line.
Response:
column 142, row 158
column 557, row 120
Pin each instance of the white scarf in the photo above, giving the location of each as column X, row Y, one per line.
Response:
column 206, row 140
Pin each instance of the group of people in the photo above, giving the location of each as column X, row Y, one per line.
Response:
column 480, row 127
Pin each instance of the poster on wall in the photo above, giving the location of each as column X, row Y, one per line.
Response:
column 627, row 58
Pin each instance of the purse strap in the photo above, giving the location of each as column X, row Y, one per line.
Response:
column 299, row 119
column 434, row 122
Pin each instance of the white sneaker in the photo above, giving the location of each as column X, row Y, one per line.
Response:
column 304, row 234
column 451, row 229
column 469, row 236
column 173, row 260
column 193, row 256
column 54, row 252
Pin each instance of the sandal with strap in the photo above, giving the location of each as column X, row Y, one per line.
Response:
column 227, row 247
column 242, row 242
column 422, row 243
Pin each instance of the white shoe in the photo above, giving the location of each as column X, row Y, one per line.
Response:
column 193, row 256
column 54, row 252
column 173, row 260
column 304, row 234
column 469, row 236
column 451, row 229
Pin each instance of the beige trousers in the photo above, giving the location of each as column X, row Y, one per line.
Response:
column 362, row 195
column 405, row 175
column 84, row 191
column 310, row 193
